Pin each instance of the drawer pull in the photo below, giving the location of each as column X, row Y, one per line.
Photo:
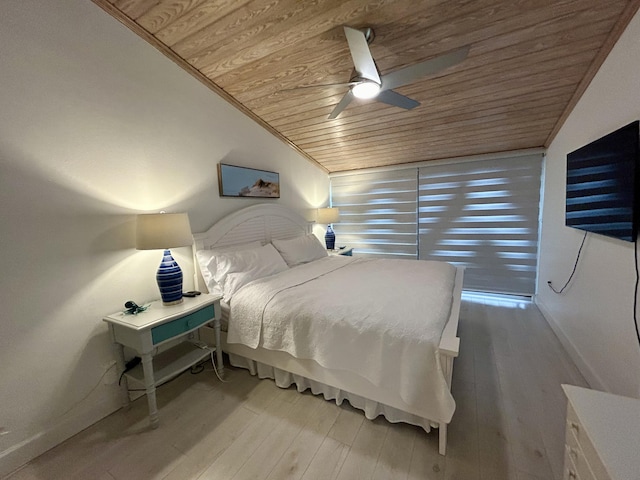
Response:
column 574, row 453
column 572, row 474
column 575, row 426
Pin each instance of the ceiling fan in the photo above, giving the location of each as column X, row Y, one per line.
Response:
column 366, row 82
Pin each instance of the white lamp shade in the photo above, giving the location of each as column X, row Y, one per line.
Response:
column 156, row 231
column 328, row 215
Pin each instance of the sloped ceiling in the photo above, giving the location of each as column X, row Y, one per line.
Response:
column 529, row 62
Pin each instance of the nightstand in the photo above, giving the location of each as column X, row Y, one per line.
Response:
column 159, row 324
column 347, row 252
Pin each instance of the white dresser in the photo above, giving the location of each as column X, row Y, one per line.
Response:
column 603, row 436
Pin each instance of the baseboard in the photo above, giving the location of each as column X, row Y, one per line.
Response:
column 18, row 455
column 587, row 372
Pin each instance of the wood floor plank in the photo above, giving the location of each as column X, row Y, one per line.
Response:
column 426, row 462
column 456, row 469
column 347, row 424
column 462, row 433
column 260, row 464
column 363, row 455
column 296, row 460
column 203, row 453
column 396, row 453
column 522, row 403
column 550, row 369
column 328, row 460
column 235, row 456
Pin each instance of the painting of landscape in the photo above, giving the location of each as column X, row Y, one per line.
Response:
column 235, row 181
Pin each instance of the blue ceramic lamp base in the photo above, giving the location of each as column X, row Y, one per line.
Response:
column 169, row 279
column 330, row 238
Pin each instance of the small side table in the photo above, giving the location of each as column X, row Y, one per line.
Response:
column 346, row 251
column 157, row 325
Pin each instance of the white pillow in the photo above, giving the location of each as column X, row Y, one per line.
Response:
column 235, row 270
column 300, row 249
column 208, row 266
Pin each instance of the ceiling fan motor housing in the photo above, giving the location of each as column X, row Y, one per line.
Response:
column 369, row 35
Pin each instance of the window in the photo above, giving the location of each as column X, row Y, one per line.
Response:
column 378, row 212
column 483, row 215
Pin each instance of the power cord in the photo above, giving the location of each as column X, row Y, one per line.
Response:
column 89, row 392
column 129, row 366
column 637, row 284
column 575, row 265
column 635, row 296
column 204, row 346
column 216, row 370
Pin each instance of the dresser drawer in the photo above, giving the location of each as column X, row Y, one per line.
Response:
column 182, row 325
column 577, row 438
column 576, row 463
column 570, row 470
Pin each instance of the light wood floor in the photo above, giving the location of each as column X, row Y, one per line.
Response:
column 509, row 422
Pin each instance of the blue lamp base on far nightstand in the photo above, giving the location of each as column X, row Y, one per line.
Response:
column 330, row 238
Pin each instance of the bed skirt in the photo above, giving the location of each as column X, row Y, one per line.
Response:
column 371, row 409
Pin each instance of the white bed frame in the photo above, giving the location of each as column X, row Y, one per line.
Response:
column 271, row 221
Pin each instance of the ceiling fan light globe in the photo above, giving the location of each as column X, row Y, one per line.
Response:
column 365, row 90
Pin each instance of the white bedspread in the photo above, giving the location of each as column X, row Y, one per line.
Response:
column 381, row 319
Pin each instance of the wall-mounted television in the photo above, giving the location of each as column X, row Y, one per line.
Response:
column 603, row 187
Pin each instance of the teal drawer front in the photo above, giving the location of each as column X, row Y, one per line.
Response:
column 169, row 330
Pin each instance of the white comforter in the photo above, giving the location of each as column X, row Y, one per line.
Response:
column 381, row 319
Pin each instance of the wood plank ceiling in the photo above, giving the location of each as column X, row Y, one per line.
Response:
column 529, row 62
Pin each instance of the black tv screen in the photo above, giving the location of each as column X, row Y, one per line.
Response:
column 602, row 185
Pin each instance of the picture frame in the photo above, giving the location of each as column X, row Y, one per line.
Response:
column 235, row 181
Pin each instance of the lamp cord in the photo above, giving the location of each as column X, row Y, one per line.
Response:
column 635, row 296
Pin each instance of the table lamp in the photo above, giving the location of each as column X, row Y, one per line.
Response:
column 329, row 216
column 162, row 231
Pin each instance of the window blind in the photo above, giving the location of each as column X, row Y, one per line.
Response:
column 483, row 215
column 378, row 212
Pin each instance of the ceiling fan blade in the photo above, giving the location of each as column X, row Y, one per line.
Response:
column 407, row 75
column 361, row 55
column 393, row 98
column 346, row 100
column 319, row 85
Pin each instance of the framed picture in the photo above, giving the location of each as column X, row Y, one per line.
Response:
column 247, row 182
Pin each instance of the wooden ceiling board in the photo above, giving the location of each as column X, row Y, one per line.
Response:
column 400, row 134
column 363, row 126
column 447, row 97
column 529, row 63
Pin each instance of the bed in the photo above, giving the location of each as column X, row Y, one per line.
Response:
column 291, row 313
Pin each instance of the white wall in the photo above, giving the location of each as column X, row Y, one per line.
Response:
column 96, row 126
column 594, row 317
